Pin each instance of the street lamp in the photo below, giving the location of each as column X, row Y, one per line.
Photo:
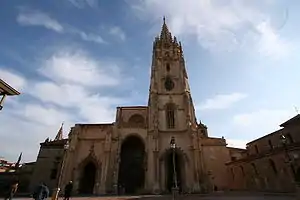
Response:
column 284, row 143
column 6, row 90
column 57, row 189
column 175, row 187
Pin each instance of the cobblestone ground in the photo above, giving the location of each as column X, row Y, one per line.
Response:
column 191, row 197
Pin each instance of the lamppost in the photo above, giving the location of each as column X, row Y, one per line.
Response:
column 284, row 143
column 175, row 186
column 57, row 189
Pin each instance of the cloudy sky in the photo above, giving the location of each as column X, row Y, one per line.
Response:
column 76, row 60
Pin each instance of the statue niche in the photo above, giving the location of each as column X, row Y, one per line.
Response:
column 136, row 121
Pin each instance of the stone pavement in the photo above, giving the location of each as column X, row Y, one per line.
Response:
column 189, row 197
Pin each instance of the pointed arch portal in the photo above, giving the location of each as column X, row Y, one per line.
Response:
column 88, row 177
column 170, row 170
column 132, row 170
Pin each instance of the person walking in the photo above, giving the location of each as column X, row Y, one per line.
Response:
column 41, row 192
column 11, row 190
column 68, row 190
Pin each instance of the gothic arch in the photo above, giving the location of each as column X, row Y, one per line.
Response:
column 170, row 165
column 134, row 135
column 132, row 174
column 89, row 173
column 89, row 159
column 273, row 166
column 136, row 120
column 178, row 150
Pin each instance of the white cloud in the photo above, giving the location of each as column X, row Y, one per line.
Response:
column 236, row 143
column 218, row 26
column 221, row 101
column 72, row 95
column 36, row 18
column 118, row 32
column 261, row 122
column 90, row 37
column 270, row 43
column 13, row 79
column 78, row 67
column 83, row 3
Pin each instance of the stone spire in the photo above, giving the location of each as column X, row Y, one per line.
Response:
column 59, row 135
column 165, row 34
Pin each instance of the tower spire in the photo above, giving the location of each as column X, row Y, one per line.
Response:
column 165, row 34
column 19, row 161
column 59, row 135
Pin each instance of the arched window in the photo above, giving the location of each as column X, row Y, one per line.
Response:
column 256, row 149
column 168, row 67
column 270, row 144
column 232, row 173
column 242, row 170
column 289, row 138
column 170, row 115
column 254, row 169
column 273, row 166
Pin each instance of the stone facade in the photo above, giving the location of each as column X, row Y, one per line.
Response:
column 48, row 164
column 268, row 164
column 133, row 154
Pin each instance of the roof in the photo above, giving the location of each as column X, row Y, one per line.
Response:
column 133, row 107
column 275, row 132
column 103, row 124
column 7, row 89
column 234, row 148
column 293, row 120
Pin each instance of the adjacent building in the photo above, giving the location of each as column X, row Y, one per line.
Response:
column 47, row 168
column 269, row 163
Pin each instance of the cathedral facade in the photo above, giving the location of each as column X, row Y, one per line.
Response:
column 132, row 155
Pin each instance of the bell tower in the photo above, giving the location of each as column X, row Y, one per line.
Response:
column 170, row 103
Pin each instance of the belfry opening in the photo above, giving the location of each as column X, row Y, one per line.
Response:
column 131, row 177
column 174, row 167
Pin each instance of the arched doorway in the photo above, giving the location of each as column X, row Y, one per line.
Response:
column 178, row 161
column 132, row 171
column 88, row 176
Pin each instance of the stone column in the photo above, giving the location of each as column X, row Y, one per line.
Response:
column 156, row 188
column 162, row 175
column 76, row 181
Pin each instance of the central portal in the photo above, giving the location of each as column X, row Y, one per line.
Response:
column 132, row 171
column 170, row 182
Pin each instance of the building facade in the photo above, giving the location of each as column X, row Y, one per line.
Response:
column 133, row 154
column 269, row 163
column 48, row 164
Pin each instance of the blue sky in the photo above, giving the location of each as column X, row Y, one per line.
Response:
column 76, row 60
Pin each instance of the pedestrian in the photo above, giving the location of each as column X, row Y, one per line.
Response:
column 41, row 192
column 68, row 190
column 11, row 191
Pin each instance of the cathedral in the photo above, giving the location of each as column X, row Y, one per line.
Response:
column 132, row 155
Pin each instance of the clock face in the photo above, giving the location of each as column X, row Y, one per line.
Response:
column 169, row 84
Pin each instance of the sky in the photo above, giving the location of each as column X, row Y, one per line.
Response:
column 74, row 61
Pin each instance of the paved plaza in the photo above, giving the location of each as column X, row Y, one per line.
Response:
column 190, row 197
